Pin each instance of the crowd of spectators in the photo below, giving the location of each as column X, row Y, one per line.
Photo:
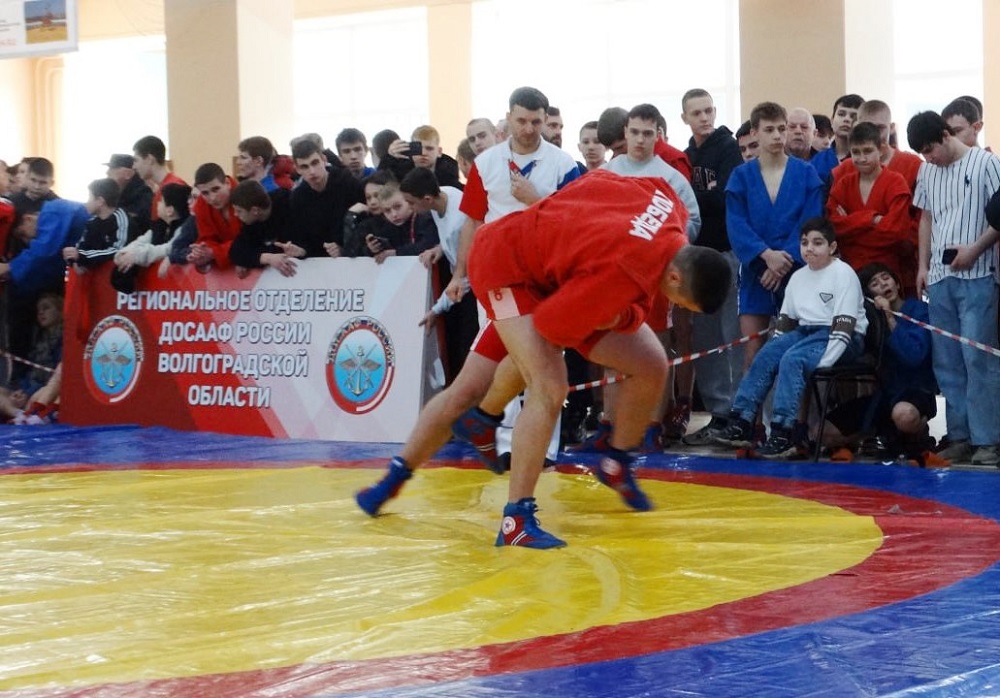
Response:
column 927, row 223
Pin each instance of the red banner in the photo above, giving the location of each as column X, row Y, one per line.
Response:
column 334, row 352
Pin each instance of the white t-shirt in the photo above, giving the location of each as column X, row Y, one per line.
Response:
column 449, row 226
column 818, row 297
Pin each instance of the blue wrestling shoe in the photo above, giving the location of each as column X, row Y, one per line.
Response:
column 615, row 471
column 652, row 439
column 520, row 527
column 480, row 430
column 372, row 498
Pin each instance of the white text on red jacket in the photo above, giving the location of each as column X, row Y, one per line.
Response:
column 648, row 223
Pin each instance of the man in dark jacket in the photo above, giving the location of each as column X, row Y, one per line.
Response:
column 136, row 197
column 320, row 201
column 713, row 153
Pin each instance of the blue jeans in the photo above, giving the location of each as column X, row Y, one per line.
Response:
column 792, row 357
column 967, row 376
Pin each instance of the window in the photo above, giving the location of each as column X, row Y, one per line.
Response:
column 114, row 92
column 366, row 70
column 587, row 55
column 935, row 63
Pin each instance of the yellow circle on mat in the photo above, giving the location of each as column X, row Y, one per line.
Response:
column 115, row 576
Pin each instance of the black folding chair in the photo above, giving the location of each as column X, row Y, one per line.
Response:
column 864, row 371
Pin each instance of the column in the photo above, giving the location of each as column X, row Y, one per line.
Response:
column 792, row 53
column 991, row 70
column 870, row 67
column 449, row 59
column 229, row 76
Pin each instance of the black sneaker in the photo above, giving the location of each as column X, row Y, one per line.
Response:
column 738, row 433
column 706, row 435
column 943, row 443
column 876, row 447
column 572, row 430
column 779, row 444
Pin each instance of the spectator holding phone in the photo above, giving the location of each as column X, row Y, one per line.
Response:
column 362, row 219
column 422, row 150
column 403, row 231
column 953, row 188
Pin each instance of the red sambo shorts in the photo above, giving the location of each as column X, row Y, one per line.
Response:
column 510, row 302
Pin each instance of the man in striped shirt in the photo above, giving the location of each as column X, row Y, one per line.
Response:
column 958, row 267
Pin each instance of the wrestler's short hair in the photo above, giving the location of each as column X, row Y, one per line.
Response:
column 707, row 277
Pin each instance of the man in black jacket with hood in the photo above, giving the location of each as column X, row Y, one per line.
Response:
column 320, row 201
column 713, row 153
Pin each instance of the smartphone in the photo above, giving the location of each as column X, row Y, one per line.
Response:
column 416, row 148
column 381, row 242
column 948, row 256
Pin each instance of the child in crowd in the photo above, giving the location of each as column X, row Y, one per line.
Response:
column 845, row 113
column 824, row 133
column 869, row 206
column 185, row 236
column 46, row 353
column 106, row 232
column 822, row 320
column 42, row 405
column 46, row 341
column 907, row 401
column 154, row 244
column 361, row 220
column 403, row 231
